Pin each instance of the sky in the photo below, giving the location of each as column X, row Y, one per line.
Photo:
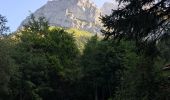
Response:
column 17, row 10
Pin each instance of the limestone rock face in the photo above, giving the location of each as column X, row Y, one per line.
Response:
column 80, row 14
column 107, row 8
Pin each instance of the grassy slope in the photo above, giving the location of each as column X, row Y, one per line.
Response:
column 81, row 36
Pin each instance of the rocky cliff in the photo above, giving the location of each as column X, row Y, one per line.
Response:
column 107, row 8
column 80, row 14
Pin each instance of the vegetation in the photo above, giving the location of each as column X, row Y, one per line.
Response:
column 80, row 36
column 3, row 27
column 144, row 80
column 41, row 62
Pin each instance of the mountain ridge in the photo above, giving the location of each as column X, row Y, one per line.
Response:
column 80, row 14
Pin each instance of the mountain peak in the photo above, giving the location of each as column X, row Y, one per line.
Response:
column 80, row 14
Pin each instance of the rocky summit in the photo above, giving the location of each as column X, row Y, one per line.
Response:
column 80, row 14
column 107, row 8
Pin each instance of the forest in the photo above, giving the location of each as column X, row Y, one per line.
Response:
column 130, row 61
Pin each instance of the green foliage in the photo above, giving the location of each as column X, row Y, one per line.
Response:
column 142, row 79
column 102, row 64
column 129, row 22
column 164, row 48
column 39, row 25
column 3, row 27
column 6, row 62
column 44, row 58
column 42, row 63
column 81, row 37
column 6, row 68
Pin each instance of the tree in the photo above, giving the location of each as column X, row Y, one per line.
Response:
column 3, row 27
column 101, row 62
column 6, row 62
column 164, row 46
column 140, row 82
column 6, row 68
column 46, row 59
column 31, row 61
column 129, row 23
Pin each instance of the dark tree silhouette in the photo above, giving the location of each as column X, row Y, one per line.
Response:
column 3, row 27
column 139, row 20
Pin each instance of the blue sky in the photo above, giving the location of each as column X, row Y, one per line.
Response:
column 17, row 10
